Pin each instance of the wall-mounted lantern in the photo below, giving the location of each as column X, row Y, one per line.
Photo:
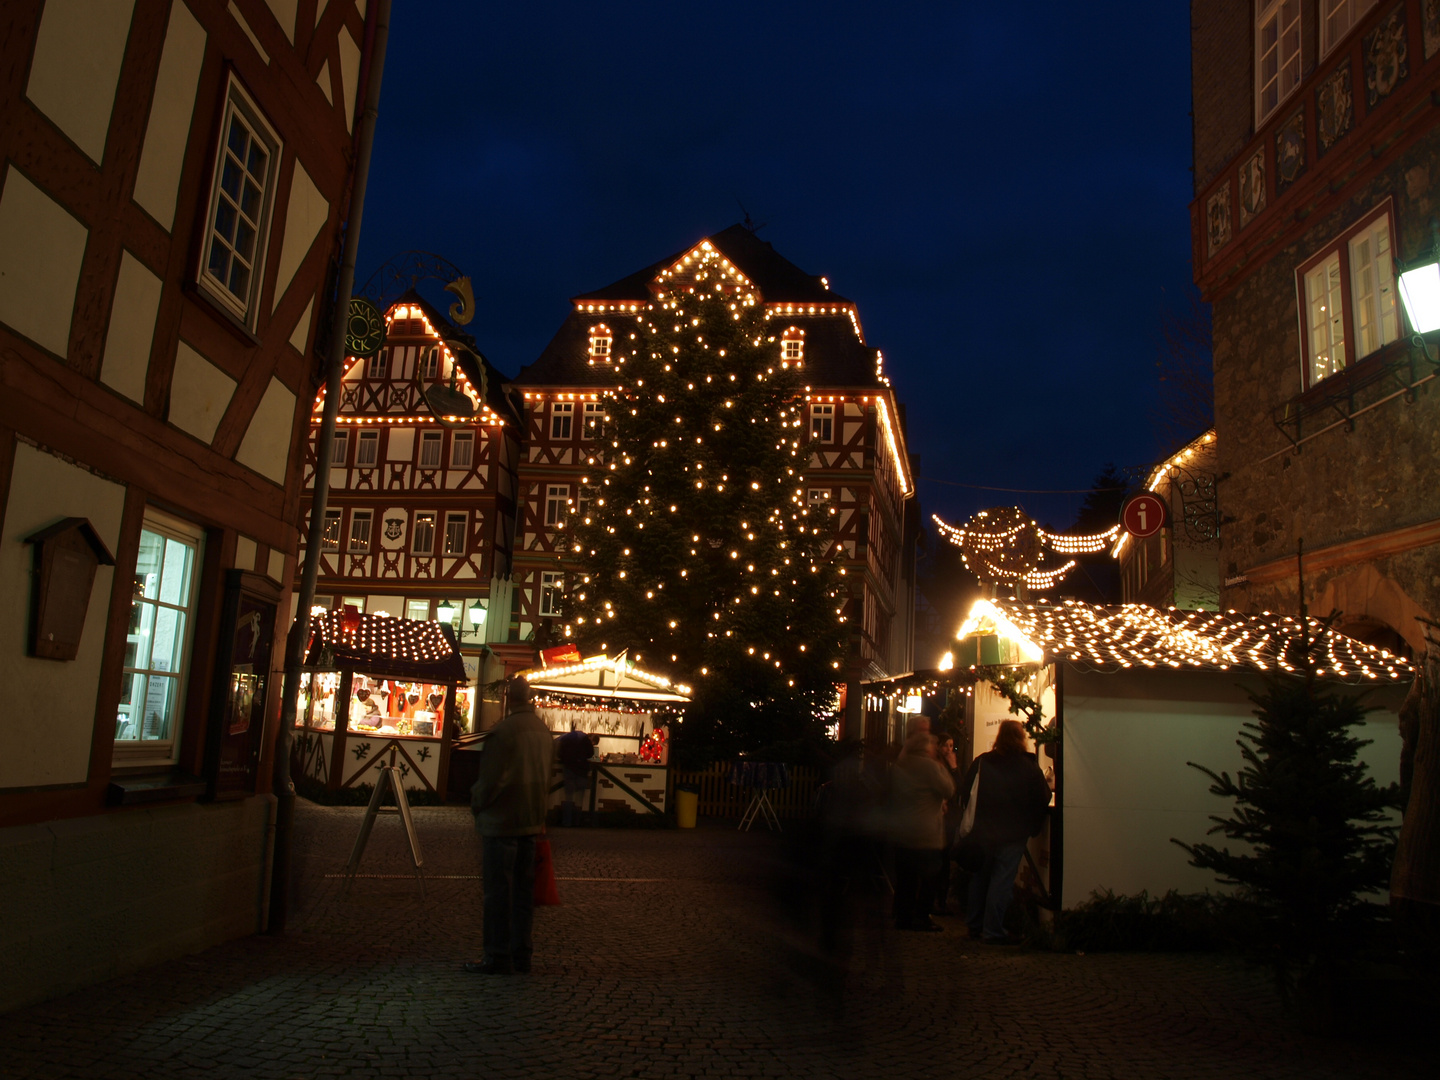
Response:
column 66, row 555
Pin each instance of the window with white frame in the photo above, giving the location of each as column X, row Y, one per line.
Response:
column 601, row 340
column 430, row 442
column 422, row 540
column 792, row 345
column 418, row 609
column 432, row 363
column 367, row 450
column 1338, row 18
column 455, row 530
column 552, row 588
column 822, row 422
column 339, row 447
column 378, row 366
column 360, row 530
column 557, row 496
column 1347, row 296
column 594, row 421
column 561, row 414
column 818, row 496
column 330, row 535
column 241, row 195
column 462, row 449
column 1277, row 53
column 157, row 641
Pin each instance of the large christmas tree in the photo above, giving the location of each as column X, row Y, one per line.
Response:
column 696, row 548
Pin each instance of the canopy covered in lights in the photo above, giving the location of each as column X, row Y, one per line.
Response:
column 378, row 644
column 606, row 677
column 1137, row 636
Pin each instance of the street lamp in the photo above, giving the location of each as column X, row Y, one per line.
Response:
column 445, row 612
column 477, row 614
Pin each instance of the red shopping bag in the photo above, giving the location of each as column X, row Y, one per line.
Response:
column 546, row 894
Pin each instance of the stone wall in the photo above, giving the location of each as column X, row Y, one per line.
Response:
column 1339, row 487
column 1220, row 83
column 87, row 899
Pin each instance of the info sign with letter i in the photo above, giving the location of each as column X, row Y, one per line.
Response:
column 1144, row 515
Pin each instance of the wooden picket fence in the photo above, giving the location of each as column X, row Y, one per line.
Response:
column 722, row 799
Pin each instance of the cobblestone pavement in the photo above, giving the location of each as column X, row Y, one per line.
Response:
column 674, row 954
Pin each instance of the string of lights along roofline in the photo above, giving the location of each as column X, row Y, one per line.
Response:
column 697, row 544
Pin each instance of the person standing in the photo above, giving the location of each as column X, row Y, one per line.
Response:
column 919, row 786
column 509, row 801
column 946, row 757
column 574, row 749
column 1011, row 803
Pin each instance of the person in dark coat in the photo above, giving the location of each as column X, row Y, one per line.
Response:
column 574, row 749
column 509, row 802
column 1011, row 803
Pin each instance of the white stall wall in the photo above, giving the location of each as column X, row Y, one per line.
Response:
column 1128, row 789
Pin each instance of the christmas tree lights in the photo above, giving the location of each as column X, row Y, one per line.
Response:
column 698, row 544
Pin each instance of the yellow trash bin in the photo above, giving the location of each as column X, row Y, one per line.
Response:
column 687, row 803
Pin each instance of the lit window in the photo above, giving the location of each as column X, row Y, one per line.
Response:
column 1338, row 18
column 601, row 340
column 462, row 449
column 822, row 422
column 792, row 345
column 422, row 541
column 818, row 496
column 455, row 533
column 241, row 195
column 378, row 366
column 561, row 413
column 162, row 607
column 330, row 535
column 339, row 447
column 360, row 530
column 432, row 363
column 552, row 588
column 430, row 449
column 1348, row 296
column 556, row 498
column 594, row 425
column 367, row 450
column 417, row 609
column 1277, row 53
column 356, row 602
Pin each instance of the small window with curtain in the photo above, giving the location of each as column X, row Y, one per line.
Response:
column 601, row 341
column 422, row 540
column 360, row 530
column 417, row 609
column 455, row 530
column 557, row 498
column 339, row 448
column 378, row 366
column 1337, row 19
column 430, row 442
column 462, row 449
column 792, row 345
column 1277, row 54
column 367, row 450
column 330, row 535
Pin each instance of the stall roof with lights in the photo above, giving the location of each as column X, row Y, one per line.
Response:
column 1136, row 636
column 606, row 677
column 380, row 645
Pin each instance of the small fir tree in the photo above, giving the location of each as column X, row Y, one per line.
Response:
column 1314, row 826
column 697, row 547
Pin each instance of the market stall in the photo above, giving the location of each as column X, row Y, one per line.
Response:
column 1125, row 697
column 377, row 691
column 627, row 712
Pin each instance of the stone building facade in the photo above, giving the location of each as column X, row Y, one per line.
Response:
column 1317, row 152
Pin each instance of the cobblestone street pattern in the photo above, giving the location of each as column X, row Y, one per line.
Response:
column 674, row 954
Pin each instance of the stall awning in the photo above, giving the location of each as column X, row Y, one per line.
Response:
column 1114, row 638
column 378, row 644
column 606, row 677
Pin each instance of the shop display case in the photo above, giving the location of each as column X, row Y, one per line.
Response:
column 396, row 684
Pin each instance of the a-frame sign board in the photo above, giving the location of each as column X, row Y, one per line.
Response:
column 389, row 778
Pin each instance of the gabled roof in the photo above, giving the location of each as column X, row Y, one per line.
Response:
column 381, row 645
column 472, row 360
column 1137, row 636
column 835, row 352
column 604, row 677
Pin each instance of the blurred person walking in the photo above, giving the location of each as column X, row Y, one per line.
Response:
column 1011, row 800
column 919, row 786
column 509, row 801
column 574, row 749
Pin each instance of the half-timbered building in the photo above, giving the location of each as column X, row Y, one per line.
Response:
column 173, row 178
column 421, row 515
column 859, row 465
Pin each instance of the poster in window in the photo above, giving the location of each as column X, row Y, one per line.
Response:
column 238, row 697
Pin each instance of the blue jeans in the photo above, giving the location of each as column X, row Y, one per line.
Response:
column 991, row 888
column 509, row 872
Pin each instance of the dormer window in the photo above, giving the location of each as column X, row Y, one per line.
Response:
column 601, row 339
column 792, row 345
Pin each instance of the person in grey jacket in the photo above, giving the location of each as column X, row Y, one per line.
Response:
column 919, row 786
column 509, row 802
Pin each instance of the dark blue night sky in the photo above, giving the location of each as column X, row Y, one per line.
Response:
column 1002, row 188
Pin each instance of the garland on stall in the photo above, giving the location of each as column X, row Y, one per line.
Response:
column 1008, row 682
